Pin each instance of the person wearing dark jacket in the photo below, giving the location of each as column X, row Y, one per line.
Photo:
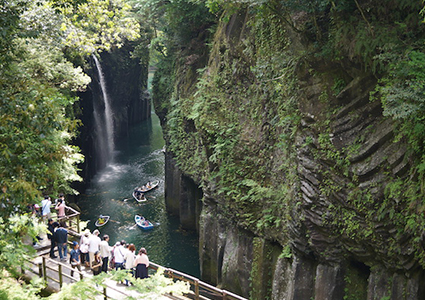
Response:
column 50, row 232
column 61, row 238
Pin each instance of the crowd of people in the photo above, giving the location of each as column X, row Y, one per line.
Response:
column 99, row 256
column 91, row 251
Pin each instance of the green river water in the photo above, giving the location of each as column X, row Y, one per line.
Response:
column 137, row 160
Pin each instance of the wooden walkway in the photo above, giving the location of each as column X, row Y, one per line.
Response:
column 56, row 273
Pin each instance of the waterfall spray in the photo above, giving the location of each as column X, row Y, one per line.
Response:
column 104, row 119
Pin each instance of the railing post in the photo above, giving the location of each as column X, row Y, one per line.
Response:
column 44, row 270
column 40, row 269
column 60, row 275
column 196, row 289
column 78, row 223
column 104, row 293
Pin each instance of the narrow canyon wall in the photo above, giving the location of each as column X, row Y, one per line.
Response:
column 300, row 183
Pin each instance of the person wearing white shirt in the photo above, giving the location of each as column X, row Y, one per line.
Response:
column 45, row 207
column 119, row 253
column 129, row 258
column 105, row 252
column 94, row 245
column 84, row 248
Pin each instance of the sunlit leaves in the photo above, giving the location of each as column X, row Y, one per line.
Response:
column 98, row 25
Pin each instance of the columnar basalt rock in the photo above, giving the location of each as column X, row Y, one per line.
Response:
column 339, row 221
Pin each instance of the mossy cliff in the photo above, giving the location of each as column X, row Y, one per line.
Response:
column 295, row 148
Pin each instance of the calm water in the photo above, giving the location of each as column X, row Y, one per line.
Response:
column 137, row 160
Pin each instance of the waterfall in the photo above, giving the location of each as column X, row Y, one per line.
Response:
column 103, row 117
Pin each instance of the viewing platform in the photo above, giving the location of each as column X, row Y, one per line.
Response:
column 56, row 273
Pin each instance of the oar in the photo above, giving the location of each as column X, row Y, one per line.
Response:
column 115, row 221
column 132, row 226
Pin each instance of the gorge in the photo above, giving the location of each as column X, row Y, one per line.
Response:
column 289, row 146
column 291, row 151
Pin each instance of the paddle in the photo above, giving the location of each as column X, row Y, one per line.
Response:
column 132, row 226
column 118, row 222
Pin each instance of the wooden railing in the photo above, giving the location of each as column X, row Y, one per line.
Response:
column 72, row 218
column 55, row 274
column 201, row 290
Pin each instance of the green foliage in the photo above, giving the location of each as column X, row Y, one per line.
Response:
column 403, row 89
column 286, row 252
column 13, row 232
column 35, row 131
column 38, row 86
column 97, row 25
column 150, row 288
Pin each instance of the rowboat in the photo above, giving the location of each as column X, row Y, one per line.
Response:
column 102, row 220
column 148, row 186
column 139, row 196
column 143, row 223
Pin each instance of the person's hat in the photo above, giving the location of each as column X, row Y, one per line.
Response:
column 87, row 232
column 96, row 232
column 36, row 206
column 74, row 243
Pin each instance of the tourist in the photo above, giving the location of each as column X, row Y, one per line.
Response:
column 36, row 211
column 84, row 248
column 61, row 238
column 61, row 197
column 96, row 263
column 141, row 263
column 105, row 252
column 119, row 253
column 45, row 207
column 60, row 207
column 75, row 259
column 112, row 260
column 129, row 258
column 94, row 245
column 50, row 236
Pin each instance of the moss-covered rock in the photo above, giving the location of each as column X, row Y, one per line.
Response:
column 288, row 133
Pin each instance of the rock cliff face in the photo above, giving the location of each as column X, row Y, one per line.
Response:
column 290, row 170
column 126, row 83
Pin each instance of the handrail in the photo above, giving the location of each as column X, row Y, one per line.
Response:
column 60, row 268
column 200, row 289
column 198, row 285
column 73, row 215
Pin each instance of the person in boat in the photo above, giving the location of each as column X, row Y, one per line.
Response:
column 142, row 197
column 137, row 192
column 148, row 185
column 101, row 220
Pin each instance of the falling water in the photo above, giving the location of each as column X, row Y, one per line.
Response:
column 104, row 118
